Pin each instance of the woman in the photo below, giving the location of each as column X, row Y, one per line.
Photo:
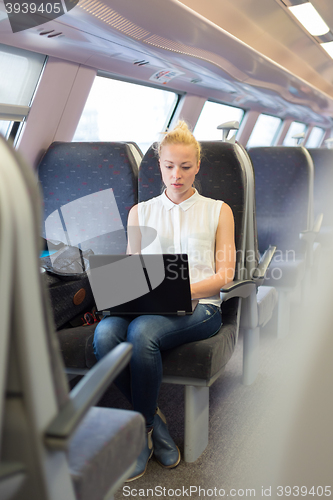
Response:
column 186, row 222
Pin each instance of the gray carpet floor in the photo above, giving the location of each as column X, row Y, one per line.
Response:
column 249, row 428
column 240, row 424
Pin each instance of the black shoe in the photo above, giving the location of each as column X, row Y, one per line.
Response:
column 165, row 450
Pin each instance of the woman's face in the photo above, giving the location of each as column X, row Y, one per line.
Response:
column 179, row 166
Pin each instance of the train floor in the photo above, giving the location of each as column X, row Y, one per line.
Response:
column 248, row 429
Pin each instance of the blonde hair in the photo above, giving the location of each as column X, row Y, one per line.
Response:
column 181, row 134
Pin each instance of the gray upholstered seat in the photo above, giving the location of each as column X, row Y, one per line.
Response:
column 323, row 201
column 88, row 189
column 258, row 307
column 40, row 420
column 219, row 178
column 72, row 170
column 222, row 176
column 198, row 364
column 284, row 207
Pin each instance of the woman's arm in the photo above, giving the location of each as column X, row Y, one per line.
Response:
column 133, row 232
column 225, row 257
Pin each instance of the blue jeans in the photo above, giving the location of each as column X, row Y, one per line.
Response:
column 150, row 334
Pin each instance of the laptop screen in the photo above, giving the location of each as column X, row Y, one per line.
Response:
column 141, row 283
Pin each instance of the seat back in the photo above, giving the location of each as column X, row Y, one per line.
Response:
column 35, row 383
column 88, row 189
column 12, row 474
column 284, row 196
column 39, row 416
column 252, row 255
column 323, row 180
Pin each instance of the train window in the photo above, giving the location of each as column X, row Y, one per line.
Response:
column 315, row 138
column 264, row 131
column 212, row 115
column 20, row 73
column 294, row 129
column 120, row 111
column 5, row 127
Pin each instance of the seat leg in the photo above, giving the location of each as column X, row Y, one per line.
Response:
column 283, row 323
column 196, row 421
column 251, row 339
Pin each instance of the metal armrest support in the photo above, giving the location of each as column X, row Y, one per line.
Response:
column 10, row 469
column 318, row 222
column 237, row 288
column 266, row 259
column 12, row 475
column 85, row 394
column 310, row 236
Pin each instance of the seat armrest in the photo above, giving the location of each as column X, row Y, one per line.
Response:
column 317, row 224
column 12, row 475
column 310, row 236
column 266, row 259
column 85, row 394
column 237, row 288
column 11, row 469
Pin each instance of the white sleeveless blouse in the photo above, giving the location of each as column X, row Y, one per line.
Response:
column 189, row 227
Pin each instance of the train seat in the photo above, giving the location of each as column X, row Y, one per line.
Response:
column 323, row 180
column 195, row 365
column 62, row 446
column 85, row 169
column 267, row 298
column 258, row 307
column 13, row 473
column 284, row 207
column 72, row 174
column 88, row 190
column 223, row 175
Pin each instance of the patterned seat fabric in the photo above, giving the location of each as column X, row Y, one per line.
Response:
column 284, row 183
column 69, row 172
column 105, row 445
column 323, row 181
column 221, row 176
column 95, row 465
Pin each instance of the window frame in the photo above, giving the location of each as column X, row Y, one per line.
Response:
column 276, row 133
column 305, row 131
column 321, row 140
column 222, row 104
column 178, row 94
column 17, row 114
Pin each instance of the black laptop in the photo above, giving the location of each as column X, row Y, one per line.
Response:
column 141, row 284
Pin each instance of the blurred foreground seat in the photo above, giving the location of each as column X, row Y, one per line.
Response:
column 54, row 445
column 284, row 207
column 323, row 200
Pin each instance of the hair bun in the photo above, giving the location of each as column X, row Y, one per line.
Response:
column 180, row 134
